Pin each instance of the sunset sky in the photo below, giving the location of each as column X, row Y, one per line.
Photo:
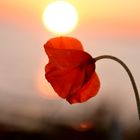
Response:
column 105, row 27
column 117, row 18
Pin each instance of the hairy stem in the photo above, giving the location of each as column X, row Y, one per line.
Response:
column 130, row 76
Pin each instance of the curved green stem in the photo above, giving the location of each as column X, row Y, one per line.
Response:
column 130, row 76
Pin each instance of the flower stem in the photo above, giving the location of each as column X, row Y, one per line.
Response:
column 130, row 76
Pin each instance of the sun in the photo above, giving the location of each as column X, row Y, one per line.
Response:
column 60, row 17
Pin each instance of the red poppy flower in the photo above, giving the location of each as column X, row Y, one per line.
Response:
column 70, row 70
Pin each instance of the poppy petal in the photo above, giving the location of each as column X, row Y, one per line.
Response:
column 70, row 70
column 64, row 43
column 74, row 68
column 87, row 91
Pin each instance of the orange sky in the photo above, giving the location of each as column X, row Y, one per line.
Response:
column 98, row 16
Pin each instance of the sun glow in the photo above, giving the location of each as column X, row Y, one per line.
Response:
column 60, row 17
column 43, row 87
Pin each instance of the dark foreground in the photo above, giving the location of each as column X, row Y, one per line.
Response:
column 64, row 132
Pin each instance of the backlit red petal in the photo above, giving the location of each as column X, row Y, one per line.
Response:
column 69, row 72
column 87, row 91
column 64, row 43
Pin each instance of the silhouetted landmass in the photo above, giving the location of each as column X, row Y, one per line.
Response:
column 101, row 130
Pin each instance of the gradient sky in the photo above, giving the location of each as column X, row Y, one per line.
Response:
column 114, row 17
column 105, row 27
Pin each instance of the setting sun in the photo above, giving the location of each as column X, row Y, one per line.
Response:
column 60, row 17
